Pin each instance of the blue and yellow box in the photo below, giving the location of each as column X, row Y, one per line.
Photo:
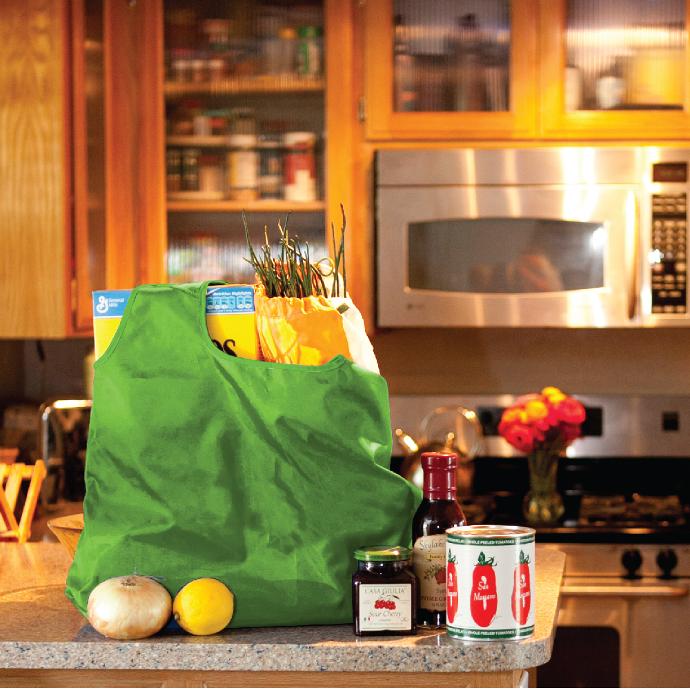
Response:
column 230, row 318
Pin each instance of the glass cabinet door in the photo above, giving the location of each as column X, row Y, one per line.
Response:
column 449, row 68
column 245, row 118
column 615, row 69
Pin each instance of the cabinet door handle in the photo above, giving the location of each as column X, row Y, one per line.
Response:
column 633, row 265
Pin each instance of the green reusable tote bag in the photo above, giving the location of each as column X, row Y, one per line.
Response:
column 265, row 476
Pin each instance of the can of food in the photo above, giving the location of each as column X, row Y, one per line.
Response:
column 490, row 582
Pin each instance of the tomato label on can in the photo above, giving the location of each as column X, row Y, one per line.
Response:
column 489, row 576
column 483, row 598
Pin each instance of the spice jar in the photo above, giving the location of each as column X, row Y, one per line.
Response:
column 271, row 164
column 300, row 166
column 243, row 167
column 210, row 173
column 308, row 52
column 384, row 592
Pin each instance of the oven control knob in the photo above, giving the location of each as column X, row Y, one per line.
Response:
column 667, row 560
column 632, row 560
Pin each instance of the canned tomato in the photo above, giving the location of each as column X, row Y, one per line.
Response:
column 490, row 582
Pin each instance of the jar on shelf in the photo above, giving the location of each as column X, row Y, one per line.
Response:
column 190, row 170
column 384, row 592
column 216, row 33
column 288, row 51
column 211, row 173
column 243, row 167
column 299, row 166
column 308, row 51
column 181, row 65
column 217, row 67
column 243, row 121
column 219, row 121
column 173, row 170
column 268, row 28
column 199, row 69
column 270, row 166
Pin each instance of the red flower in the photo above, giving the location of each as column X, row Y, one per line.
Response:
column 570, row 432
column 570, row 411
column 519, row 436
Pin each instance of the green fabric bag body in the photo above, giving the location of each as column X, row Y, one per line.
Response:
column 264, row 476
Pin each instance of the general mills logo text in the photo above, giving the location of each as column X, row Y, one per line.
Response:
column 102, row 305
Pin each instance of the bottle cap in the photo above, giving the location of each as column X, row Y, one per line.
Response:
column 439, row 475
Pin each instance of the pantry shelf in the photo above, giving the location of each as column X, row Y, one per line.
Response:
column 237, row 85
column 212, row 141
column 263, row 205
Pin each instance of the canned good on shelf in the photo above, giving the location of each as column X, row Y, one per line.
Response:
column 299, row 166
column 243, row 167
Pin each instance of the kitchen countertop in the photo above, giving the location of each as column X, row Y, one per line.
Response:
column 40, row 629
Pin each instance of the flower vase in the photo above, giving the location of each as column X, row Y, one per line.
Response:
column 543, row 504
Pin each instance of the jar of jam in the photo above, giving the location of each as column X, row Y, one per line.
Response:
column 384, row 592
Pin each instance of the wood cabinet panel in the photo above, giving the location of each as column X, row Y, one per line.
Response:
column 34, row 194
column 135, row 143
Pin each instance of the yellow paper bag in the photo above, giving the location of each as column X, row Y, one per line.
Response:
column 299, row 330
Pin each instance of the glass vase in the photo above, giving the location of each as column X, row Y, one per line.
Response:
column 543, row 504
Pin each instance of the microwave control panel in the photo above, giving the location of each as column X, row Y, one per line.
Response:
column 668, row 252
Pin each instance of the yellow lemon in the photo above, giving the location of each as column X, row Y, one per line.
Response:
column 204, row 606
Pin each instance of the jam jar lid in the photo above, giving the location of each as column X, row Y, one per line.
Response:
column 382, row 553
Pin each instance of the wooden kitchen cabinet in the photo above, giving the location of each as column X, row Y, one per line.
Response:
column 82, row 204
column 614, row 70
column 34, row 164
column 535, row 70
column 463, row 70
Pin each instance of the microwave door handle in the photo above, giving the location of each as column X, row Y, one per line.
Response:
column 633, row 263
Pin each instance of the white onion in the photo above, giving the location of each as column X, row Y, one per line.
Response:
column 129, row 608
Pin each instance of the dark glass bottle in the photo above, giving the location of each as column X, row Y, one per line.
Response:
column 384, row 592
column 438, row 511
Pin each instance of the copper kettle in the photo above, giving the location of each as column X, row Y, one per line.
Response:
column 453, row 429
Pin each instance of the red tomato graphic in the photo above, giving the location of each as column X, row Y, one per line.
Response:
column 451, row 589
column 522, row 592
column 483, row 597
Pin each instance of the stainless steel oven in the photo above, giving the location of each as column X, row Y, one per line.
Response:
column 563, row 237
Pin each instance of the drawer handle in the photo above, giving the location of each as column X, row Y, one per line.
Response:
column 629, row 591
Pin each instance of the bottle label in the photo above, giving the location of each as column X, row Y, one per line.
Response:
column 385, row 607
column 430, row 569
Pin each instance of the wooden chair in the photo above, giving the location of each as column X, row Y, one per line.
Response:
column 11, row 477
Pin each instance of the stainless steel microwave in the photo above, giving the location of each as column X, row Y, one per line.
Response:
column 577, row 237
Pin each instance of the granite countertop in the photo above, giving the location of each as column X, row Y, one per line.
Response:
column 40, row 629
